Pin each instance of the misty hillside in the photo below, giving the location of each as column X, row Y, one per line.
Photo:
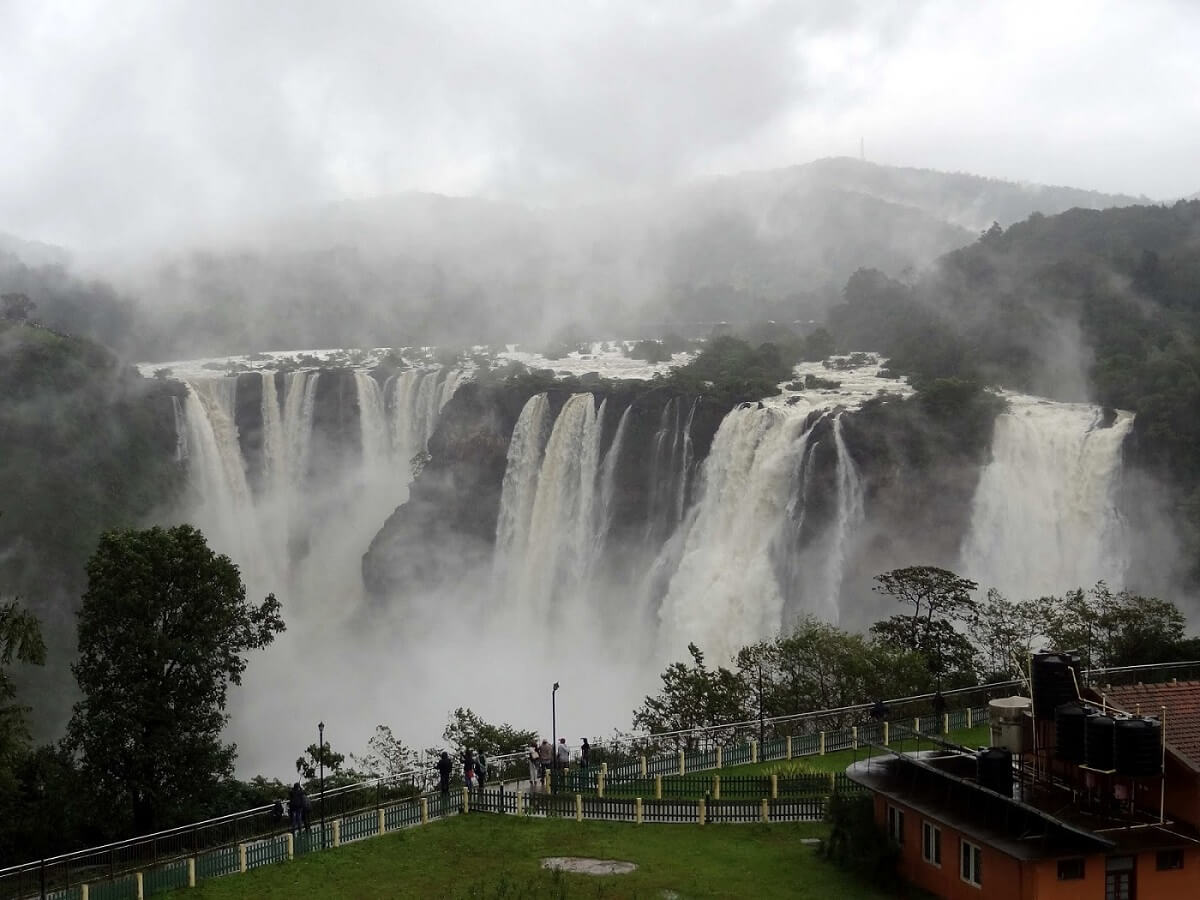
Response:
column 422, row 268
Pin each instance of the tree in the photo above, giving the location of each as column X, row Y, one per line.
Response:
column 313, row 760
column 20, row 640
column 695, row 697
column 16, row 307
column 1004, row 632
column 466, row 730
column 164, row 629
column 1115, row 629
column 386, row 755
column 938, row 598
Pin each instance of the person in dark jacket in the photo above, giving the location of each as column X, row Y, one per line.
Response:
column 879, row 711
column 468, row 762
column 585, row 752
column 297, row 803
column 444, row 767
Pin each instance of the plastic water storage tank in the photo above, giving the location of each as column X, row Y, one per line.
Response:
column 1070, row 724
column 1053, row 682
column 993, row 770
column 1099, row 747
column 1008, row 721
column 1138, row 747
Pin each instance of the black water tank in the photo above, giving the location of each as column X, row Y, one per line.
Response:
column 1053, row 684
column 1070, row 721
column 993, row 770
column 1098, row 742
column 1138, row 745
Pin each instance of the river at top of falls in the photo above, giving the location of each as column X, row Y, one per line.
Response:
column 1045, row 519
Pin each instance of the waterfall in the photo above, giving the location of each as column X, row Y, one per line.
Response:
column 1044, row 519
column 414, row 400
column 670, row 470
column 274, row 443
column 725, row 591
column 299, row 400
column 517, row 493
column 373, row 424
column 181, row 441
column 608, row 480
column 849, row 517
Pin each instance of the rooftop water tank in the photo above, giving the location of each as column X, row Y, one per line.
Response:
column 1053, row 682
column 993, row 770
column 1008, row 721
column 1138, row 747
column 1070, row 721
column 1099, row 749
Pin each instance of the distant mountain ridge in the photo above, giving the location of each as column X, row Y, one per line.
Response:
column 425, row 268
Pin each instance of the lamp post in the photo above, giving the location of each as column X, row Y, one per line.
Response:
column 553, row 735
column 321, row 763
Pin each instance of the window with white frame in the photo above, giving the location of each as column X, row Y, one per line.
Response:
column 972, row 864
column 931, row 843
column 896, row 824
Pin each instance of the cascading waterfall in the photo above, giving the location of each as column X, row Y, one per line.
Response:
column 373, row 425
column 725, row 591
column 850, row 514
column 1044, row 519
column 608, row 481
column 274, row 445
column 298, row 403
column 561, row 522
column 670, row 470
column 517, row 494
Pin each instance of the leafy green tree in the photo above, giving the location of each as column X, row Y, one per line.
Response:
column 938, row 598
column 20, row 641
column 386, row 755
column 309, row 766
column 695, row 696
column 1004, row 631
column 1116, row 629
column 16, row 307
column 466, row 730
column 164, row 629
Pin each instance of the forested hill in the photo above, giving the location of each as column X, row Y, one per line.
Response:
column 1099, row 305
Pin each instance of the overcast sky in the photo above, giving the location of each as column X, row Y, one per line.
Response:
column 128, row 122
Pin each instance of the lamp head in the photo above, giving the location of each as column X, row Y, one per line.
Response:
column 556, row 685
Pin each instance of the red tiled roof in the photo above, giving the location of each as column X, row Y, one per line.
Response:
column 1182, row 700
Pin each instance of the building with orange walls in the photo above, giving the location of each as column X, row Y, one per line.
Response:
column 1066, row 832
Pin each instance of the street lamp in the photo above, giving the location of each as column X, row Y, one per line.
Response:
column 321, row 763
column 553, row 734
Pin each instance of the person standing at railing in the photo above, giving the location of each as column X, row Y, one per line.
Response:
column 545, row 758
column 534, row 766
column 444, row 767
column 481, row 770
column 468, row 761
column 585, row 751
column 564, row 754
column 296, row 804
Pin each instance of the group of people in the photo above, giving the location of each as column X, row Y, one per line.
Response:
column 474, row 770
column 543, row 757
column 299, row 809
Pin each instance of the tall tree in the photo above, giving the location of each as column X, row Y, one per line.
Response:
column 695, row 696
column 466, row 730
column 163, row 631
column 1004, row 631
column 938, row 598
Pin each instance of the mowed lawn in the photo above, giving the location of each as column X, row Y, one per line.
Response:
column 487, row 856
column 838, row 761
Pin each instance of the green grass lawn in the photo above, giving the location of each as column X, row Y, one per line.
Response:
column 837, row 762
column 492, row 857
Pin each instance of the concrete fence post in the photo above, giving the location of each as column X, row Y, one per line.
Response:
column 191, row 869
column 83, row 891
column 579, row 807
column 764, row 810
column 424, row 810
column 657, row 787
column 822, row 750
column 789, row 746
column 603, row 768
column 720, row 758
column 968, row 717
column 291, row 847
column 700, row 811
column 917, row 724
column 241, row 861
column 774, row 786
column 337, row 832
column 546, row 782
column 466, row 804
column 600, row 785
column 682, row 762
column 140, row 882
column 754, row 751
column 854, row 736
column 945, row 723
column 832, row 781
column 520, row 803
column 382, row 822
column 885, row 734
column 716, row 787
column 637, row 811
column 642, row 760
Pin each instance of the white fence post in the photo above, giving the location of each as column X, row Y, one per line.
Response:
column 191, row 867
column 854, row 735
column 657, row 787
column 700, row 810
column 774, row 786
column 642, row 760
column 141, row 887
column 720, row 758
column 789, row 746
column 337, row 832
column 637, row 810
column 520, row 803
column 424, row 810
column 579, row 807
column 822, row 751
column 754, row 751
column 681, row 762
column 765, row 810
column 83, row 891
column 382, row 822
column 885, row 734
column 241, row 862
column 291, row 849
column 600, row 785
column 968, row 717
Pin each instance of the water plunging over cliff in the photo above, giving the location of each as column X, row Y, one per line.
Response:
column 1045, row 518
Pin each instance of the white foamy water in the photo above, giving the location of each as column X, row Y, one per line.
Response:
column 1045, row 519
